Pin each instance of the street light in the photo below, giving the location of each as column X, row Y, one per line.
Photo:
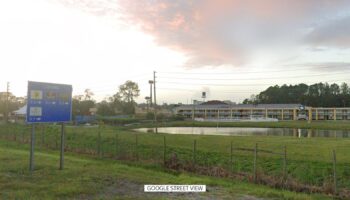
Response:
column 147, row 101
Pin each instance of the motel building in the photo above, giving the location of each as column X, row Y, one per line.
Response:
column 218, row 110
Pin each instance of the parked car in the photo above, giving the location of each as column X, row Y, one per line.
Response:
column 302, row 117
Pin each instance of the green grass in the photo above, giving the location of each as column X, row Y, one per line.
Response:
column 91, row 178
column 309, row 160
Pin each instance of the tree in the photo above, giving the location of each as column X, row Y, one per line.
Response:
column 9, row 103
column 319, row 94
column 81, row 106
column 335, row 89
column 344, row 89
column 124, row 99
column 105, row 108
column 254, row 99
column 128, row 91
column 88, row 94
column 345, row 94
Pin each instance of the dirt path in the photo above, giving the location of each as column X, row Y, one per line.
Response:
column 125, row 189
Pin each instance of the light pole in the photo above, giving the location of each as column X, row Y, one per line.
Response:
column 148, row 103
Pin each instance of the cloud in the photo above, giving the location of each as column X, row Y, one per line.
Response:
column 228, row 32
column 96, row 7
column 323, row 66
column 334, row 33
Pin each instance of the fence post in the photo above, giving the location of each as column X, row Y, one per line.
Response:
column 194, row 152
column 116, row 144
column 42, row 135
column 334, row 172
column 15, row 133
column 285, row 162
column 206, row 160
column 164, row 151
column 23, row 133
column 255, row 159
column 56, row 141
column 99, row 141
column 136, row 150
column 231, row 157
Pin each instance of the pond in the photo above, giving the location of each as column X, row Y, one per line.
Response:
column 244, row 131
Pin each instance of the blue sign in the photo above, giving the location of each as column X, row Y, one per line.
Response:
column 49, row 102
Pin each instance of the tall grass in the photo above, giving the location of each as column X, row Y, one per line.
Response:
column 309, row 161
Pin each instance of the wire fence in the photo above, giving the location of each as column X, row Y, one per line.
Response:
column 275, row 166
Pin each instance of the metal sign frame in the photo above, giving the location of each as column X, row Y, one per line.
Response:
column 57, row 101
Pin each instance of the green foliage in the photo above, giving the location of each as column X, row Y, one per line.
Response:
column 11, row 105
column 118, row 121
column 316, row 95
column 129, row 91
column 82, row 107
column 150, row 115
column 162, row 117
column 177, row 118
column 123, row 102
column 105, row 108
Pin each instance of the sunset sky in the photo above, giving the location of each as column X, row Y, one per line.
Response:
column 228, row 48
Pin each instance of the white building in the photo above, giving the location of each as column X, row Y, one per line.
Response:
column 222, row 110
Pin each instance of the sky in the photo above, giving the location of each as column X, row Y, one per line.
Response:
column 227, row 48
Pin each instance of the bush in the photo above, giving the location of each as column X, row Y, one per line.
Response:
column 118, row 121
column 150, row 115
column 177, row 118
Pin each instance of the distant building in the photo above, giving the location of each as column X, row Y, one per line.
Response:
column 221, row 110
column 93, row 111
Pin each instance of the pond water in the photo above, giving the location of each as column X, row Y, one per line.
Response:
column 243, row 131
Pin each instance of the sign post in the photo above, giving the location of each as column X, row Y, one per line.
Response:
column 48, row 103
column 62, row 147
column 32, row 142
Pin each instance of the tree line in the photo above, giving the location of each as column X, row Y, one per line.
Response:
column 123, row 102
column 9, row 103
column 316, row 95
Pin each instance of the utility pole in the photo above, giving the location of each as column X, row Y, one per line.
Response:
column 155, row 100
column 150, row 89
column 7, row 102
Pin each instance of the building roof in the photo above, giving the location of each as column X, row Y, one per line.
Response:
column 214, row 102
column 21, row 111
column 239, row 106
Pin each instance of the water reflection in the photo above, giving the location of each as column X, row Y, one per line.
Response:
column 242, row 131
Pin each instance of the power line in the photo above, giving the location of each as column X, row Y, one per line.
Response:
column 186, row 90
column 250, row 72
column 240, row 85
column 268, row 78
column 174, row 88
column 143, row 75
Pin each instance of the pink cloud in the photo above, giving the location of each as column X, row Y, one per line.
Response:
column 222, row 32
column 225, row 31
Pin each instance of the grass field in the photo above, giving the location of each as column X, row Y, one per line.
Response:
column 91, row 178
column 309, row 160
